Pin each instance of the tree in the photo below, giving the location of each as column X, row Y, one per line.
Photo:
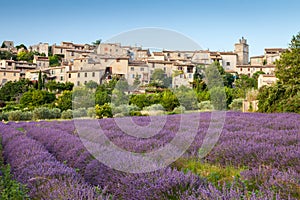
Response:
column 37, row 98
column 40, row 81
column 64, row 102
column 54, row 61
column 159, row 79
column 103, row 111
column 3, row 45
column 284, row 95
column 97, row 42
column 6, row 55
column 12, row 90
column 288, row 66
column 91, row 85
column 21, row 46
column 169, row 101
column 136, row 81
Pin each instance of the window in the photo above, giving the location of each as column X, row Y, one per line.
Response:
column 85, row 82
column 241, row 69
column 70, row 75
column 4, row 73
column 248, row 69
column 179, row 54
column 181, row 75
column 118, row 60
column 14, row 74
column 227, row 63
column 190, row 75
column 142, row 69
column 78, row 75
column 140, row 76
column 40, row 64
column 165, row 69
column 9, row 63
column 85, row 74
column 105, row 60
column 132, row 75
column 117, row 50
column 78, row 83
column 61, row 78
column 131, row 68
column 93, row 74
column 61, row 51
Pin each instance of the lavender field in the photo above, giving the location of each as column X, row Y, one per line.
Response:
column 256, row 157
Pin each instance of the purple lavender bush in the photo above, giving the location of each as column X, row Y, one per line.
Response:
column 34, row 166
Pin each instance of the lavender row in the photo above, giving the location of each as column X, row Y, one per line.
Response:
column 247, row 139
column 162, row 184
column 34, row 166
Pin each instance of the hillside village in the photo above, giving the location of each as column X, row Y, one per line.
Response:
column 81, row 63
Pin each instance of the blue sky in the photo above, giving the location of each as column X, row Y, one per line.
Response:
column 216, row 24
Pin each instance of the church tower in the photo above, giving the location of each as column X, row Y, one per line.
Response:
column 242, row 50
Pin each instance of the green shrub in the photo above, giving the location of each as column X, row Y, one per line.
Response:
column 91, row 112
column 55, row 113
column 103, row 111
column 205, row 105
column 14, row 115
column 4, row 116
column 41, row 113
column 80, row 112
column 236, row 105
column 179, row 110
column 125, row 109
column 67, row 114
column 26, row 116
column 154, row 107
column 136, row 113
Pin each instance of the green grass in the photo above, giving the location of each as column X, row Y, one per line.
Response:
column 216, row 174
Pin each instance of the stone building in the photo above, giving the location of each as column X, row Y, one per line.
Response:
column 42, row 48
column 242, row 50
column 266, row 79
column 8, row 75
column 41, row 62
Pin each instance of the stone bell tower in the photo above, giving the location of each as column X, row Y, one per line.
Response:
column 242, row 50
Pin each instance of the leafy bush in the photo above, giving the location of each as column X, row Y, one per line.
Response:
column 205, row 105
column 136, row 113
column 80, row 112
column 154, row 107
column 125, row 109
column 236, row 105
column 26, row 116
column 103, row 111
column 4, row 116
column 91, row 112
column 179, row 110
column 41, row 113
column 67, row 114
column 55, row 113
column 14, row 115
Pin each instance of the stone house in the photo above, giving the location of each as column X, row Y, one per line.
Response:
column 40, row 48
column 8, row 75
column 41, row 62
column 138, row 69
column 266, row 79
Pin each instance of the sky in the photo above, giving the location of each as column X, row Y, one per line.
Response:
column 215, row 25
